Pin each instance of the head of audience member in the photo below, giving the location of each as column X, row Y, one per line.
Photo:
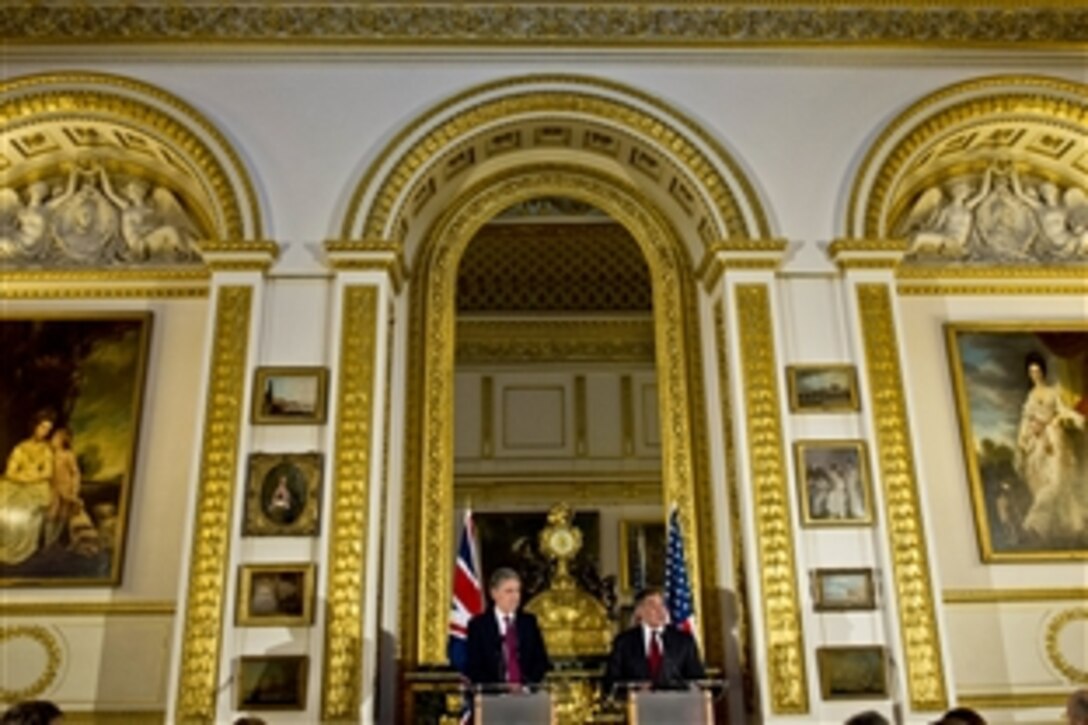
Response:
column 869, row 717
column 962, row 716
column 249, row 720
column 33, row 712
column 1076, row 707
column 650, row 608
column 506, row 590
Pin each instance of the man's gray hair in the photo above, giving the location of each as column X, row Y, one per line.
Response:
column 1077, row 707
column 503, row 573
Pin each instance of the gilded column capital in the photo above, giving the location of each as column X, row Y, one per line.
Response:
column 229, row 256
column 867, row 253
column 740, row 254
column 377, row 254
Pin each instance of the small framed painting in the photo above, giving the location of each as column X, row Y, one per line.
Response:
column 843, row 590
column 283, row 494
column 271, row 682
column 834, row 482
column 852, row 673
column 822, row 388
column 642, row 554
column 276, row 595
column 290, row 395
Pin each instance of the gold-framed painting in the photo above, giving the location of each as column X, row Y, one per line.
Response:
column 856, row 672
column 642, row 554
column 276, row 595
column 283, row 494
column 271, row 682
column 290, row 395
column 72, row 387
column 1021, row 392
column 833, row 478
column 823, row 388
column 843, row 590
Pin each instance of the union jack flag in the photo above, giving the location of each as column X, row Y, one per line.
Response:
column 677, row 588
column 468, row 596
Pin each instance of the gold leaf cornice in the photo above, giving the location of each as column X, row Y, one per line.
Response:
column 748, row 254
column 535, row 340
column 668, row 24
column 1004, row 596
column 991, row 289
column 782, row 622
column 213, row 517
column 1011, row 700
column 87, row 609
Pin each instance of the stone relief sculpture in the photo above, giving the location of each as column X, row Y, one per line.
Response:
column 1000, row 219
column 82, row 220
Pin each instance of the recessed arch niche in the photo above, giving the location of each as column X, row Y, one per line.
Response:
column 674, row 189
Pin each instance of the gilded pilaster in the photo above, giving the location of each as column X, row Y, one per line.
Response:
column 347, row 557
column 213, row 518
column 902, row 506
column 782, row 621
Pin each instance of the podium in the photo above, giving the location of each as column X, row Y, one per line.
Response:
column 652, row 707
column 502, row 707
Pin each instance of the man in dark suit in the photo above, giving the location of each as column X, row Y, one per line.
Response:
column 653, row 651
column 504, row 644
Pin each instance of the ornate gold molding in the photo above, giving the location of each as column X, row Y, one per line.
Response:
column 590, row 104
column 157, row 283
column 88, row 609
column 208, row 561
column 631, row 24
column 431, row 396
column 537, row 340
column 748, row 254
column 732, row 492
column 1011, row 700
column 1005, row 596
column 903, row 511
column 783, row 627
column 1053, row 651
column 350, row 520
column 52, row 648
column 479, row 492
column 877, row 194
column 1008, row 290
column 134, row 107
column 65, row 293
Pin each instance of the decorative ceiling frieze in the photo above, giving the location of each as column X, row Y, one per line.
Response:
column 1028, row 24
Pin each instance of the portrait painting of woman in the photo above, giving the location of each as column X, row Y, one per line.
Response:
column 1023, row 400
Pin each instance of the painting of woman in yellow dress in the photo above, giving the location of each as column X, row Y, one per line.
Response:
column 72, row 390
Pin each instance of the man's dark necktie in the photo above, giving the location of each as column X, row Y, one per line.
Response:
column 510, row 652
column 656, row 657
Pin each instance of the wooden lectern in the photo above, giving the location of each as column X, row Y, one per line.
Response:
column 529, row 708
column 653, row 707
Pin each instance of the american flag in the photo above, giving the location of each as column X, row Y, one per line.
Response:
column 677, row 587
column 468, row 596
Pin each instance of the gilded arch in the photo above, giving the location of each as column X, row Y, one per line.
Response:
column 1035, row 125
column 672, row 185
column 120, row 143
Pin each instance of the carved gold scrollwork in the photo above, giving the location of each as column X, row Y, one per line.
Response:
column 49, row 643
column 903, row 513
column 782, row 623
column 211, row 535
column 350, row 515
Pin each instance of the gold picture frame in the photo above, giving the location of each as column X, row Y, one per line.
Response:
column 290, row 395
column 843, row 590
column 833, row 482
column 73, row 387
column 823, row 388
column 283, row 494
column 856, row 672
column 642, row 554
column 271, row 682
column 276, row 595
column 1024, row 438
